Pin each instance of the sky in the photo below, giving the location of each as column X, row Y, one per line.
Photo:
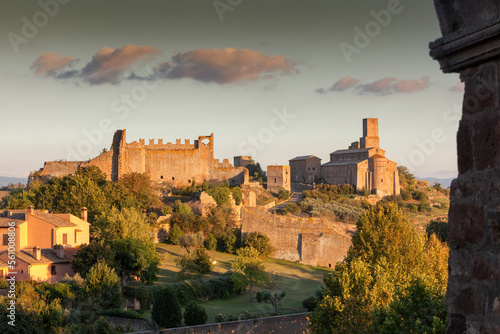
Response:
column 272, row 79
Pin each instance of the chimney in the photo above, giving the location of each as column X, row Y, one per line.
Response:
column 31, row 210
column 37, row 253
column 59, row 251
column 84, row 214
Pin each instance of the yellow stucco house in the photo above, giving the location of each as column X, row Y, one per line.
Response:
column 43, row 243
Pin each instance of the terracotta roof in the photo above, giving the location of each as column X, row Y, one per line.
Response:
column 4, row 222
column 48, row 256
column 343, row 163
column 3, row 264
column 45, row 216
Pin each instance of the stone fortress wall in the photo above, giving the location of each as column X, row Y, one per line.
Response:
column 312, row 241
column 177, row 164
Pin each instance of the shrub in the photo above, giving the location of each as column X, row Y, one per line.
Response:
column 166, row 309
column 283, row 193
column 310, row 303
column 406, row 195
column 211, row 242
column 221, row 317
column 439, row 227
column 364, row 192
column 195, row 315
column 227, row 243
column 194, row 265
column 413, row 208
column 424, row 206
column 260, row 242
column 174, row 235
column 419, row 195
column 292, row 208
column 118, row 312
column 237, row 195
column 182, row 208
column 103, row 284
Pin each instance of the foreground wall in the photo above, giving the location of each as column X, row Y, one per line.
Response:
column 312, row 241
column 285, row 324
column 470, row 46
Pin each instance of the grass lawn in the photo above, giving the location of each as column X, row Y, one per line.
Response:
column 297, row 280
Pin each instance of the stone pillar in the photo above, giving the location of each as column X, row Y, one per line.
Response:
column 471, row 46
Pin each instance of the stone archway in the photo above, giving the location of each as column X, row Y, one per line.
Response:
column 471, row 46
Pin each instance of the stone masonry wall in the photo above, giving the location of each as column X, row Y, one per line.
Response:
column 470, row 46
column 312, row 241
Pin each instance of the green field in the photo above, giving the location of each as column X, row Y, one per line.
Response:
column 297, row 280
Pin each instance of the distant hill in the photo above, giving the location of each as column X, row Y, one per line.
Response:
column 5, row 180
column 445, row 183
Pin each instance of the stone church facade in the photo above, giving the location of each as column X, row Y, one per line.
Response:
column 363, row 165
column 177, row 164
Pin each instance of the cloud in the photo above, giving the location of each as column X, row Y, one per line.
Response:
column 458, row 88
column 410, row 86
column 107, row 66
column 49, row 63
column 226, row 66
column 384, row 86
column 343, row 84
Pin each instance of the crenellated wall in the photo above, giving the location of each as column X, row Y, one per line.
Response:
column 178, row 163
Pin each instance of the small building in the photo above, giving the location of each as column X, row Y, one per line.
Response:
column 43, row 229
column 243, row 161
column 364, row 164
column 278, row 177
column 47, row 265
column 305, row 169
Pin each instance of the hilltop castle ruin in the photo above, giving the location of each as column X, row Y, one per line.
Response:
column 177, row 164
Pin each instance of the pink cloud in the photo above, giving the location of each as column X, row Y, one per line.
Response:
column 344, row 83
column 227, row 65
column 382, row 86
column 49, row 63
column 410, row 86
column 108, row 65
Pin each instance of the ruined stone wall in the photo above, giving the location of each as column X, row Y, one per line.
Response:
column 176, row 163
column 313, row 241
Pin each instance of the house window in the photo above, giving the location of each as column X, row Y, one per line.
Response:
column 173, row 178
column 65, row 238
column 274, row 180
column 314, row 168
column 53, row 270
column 161, row 177
column 381, row 180
column 5, row 239
column 76, row 237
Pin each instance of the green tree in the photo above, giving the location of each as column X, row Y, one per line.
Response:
column 386, row 254
column 141, row 187
column 405, row 177
column 273, row 298
column 248, row 270
column 283, row 193
column 103, row 284
column 136, row 257
column 418, row 309
column 120, row 224
column 182, row 208
column 174, row 235
column 195, row 315
column 166, row 309
column 88, row 255
column 194, row 265
column 211, row 242
column 255, row 171
column 260, row 242
column 191, row 240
